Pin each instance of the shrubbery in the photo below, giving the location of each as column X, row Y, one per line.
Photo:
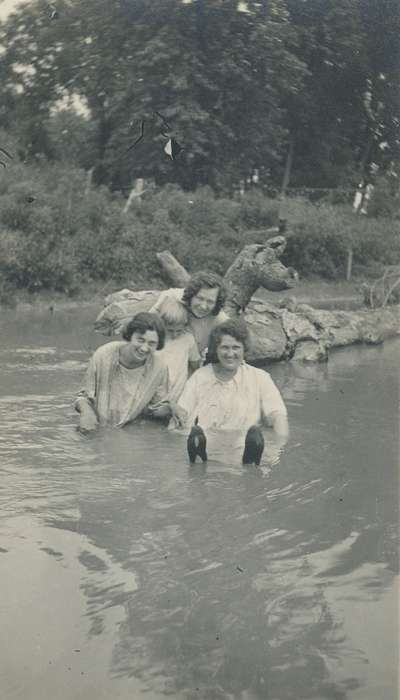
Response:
column 320, row 235
column 55, row 235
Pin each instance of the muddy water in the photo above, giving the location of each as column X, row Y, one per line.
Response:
column 124, row 573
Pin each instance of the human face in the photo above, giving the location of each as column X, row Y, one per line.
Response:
column 174, row 330
column 230, row 353
column 203, row 303
column 141, row 345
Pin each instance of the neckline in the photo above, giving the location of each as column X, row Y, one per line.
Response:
column 225, row 380
column 130, row 368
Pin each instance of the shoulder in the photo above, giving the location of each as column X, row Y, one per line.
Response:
column 157, row 363
column 203, row 375
column 173, row 292
column 260, row 375
column 189, row 339
column 108, row 349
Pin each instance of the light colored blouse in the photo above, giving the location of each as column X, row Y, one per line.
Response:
column 226, row 410
column 119, row 395
column 177, row 353
column 200, row 327
column 249, row 398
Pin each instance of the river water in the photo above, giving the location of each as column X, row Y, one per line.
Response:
column 125, row 573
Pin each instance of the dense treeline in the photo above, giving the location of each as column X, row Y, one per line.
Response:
column 273, row 92
column 241, row 84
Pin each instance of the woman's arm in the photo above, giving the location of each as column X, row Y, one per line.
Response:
column 85, row 401
column 88, row 420
column 159, row 405
column 273, row 409
column 280, row 425
column 184, row 407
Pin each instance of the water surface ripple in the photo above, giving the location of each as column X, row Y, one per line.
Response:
column 125, row 573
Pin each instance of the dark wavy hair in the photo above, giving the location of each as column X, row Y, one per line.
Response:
column 209, row 280
column 234, row 327
column 143, row 322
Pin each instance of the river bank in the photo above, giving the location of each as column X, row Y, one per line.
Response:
column 317, row 292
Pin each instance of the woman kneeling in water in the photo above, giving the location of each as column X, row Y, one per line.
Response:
column 126, row 379
column 228, row 396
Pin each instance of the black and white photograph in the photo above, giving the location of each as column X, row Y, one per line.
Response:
column 199, row 349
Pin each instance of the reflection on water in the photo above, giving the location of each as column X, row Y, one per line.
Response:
column 127, row 573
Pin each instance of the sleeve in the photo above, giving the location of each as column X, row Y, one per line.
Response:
column 88, row 388
column 194, row 355
column 161, row 393
column 176, row 293
column 270, row 397
column 188, row 398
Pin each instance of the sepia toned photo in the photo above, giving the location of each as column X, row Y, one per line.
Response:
column 200, row 349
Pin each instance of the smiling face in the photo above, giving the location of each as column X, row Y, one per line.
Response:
column 230, row 353
column 140, row 346
column 203, row 303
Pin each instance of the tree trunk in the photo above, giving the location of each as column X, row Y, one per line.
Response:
column 288, row 169
column 135, row 193
column 172, row 271
column 88, row 186
column 349, row 266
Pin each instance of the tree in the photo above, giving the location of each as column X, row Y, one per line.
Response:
column 218, row 76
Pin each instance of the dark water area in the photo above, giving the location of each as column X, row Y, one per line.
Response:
column 126, row 573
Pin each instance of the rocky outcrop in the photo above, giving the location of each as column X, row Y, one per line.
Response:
column 303, row 334
column 291, row 331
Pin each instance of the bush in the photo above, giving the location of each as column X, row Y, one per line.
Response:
column 54, row 235
column 319, row 238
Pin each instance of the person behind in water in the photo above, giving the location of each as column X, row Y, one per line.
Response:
column 126, row 379
column 203, row 297
column 180, row 352
column 228, row 396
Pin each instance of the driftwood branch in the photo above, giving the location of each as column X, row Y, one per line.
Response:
column 172, row 271
column 257, row 265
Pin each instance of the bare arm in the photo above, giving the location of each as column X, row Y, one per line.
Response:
column 281, row 426
column 88, row 420
column 85, row 404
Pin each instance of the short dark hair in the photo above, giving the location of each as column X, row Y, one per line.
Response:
column 209, row 280
column 143, row 322
column 234, row 327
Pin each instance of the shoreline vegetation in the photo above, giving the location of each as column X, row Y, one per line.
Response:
column 60, row 241
column 315, row 292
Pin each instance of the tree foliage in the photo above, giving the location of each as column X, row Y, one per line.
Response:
column 235, row 82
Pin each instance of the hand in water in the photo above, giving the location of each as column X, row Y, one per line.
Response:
column 87, row 418
column 179, row 415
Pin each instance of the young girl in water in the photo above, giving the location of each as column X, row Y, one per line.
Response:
column 180, row 352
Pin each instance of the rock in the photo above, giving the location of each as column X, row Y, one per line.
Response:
column 323, row 320
column 345, row 335
column 268, row 339
column 310, row 351
column 114, row 316
column 297, row 327
column 371, row 336
column 289, row 303
column 130, row 295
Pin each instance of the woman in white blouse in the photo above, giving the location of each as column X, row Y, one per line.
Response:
column 229, row 396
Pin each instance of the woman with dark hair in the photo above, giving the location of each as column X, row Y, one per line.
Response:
column 228, row 396
column 203, row 297
column 126, row 378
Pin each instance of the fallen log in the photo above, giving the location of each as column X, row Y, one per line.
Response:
column 172, row 270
